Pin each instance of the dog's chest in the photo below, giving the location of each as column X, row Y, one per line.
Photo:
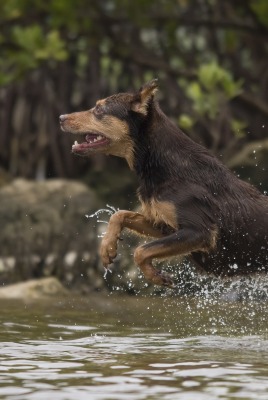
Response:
column 159, row 212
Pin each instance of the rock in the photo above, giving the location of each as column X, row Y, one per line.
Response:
column 34, row 289
column 44, row 231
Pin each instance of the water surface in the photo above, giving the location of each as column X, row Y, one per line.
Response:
column 120, row 347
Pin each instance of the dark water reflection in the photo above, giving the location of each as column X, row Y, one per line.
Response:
column 118, row 347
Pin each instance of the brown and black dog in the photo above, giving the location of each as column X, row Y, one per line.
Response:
column 190, row 203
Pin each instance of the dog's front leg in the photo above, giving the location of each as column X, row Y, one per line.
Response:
column 118, row 221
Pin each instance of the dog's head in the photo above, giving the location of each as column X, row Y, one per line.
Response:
column 106, row 127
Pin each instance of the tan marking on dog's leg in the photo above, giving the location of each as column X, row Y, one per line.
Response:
column 150, row 272
column 118, row 221
column 181, row 242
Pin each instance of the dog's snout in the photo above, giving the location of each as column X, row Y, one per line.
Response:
column 63, row 117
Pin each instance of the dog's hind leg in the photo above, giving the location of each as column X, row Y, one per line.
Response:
column 118, row 221
column 181, row 242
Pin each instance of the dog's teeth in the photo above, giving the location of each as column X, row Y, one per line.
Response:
column 95, row 140
column 75, row 143
column 99, row 137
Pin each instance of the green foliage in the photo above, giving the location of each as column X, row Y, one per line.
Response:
column 186, row 122
column 260, row 8
column 31, row 47
column 238, row 127
column 85, row 49
column 210, row 94
column 27, row 45
column 34, row 47
column 213, row 88
column 213, row 77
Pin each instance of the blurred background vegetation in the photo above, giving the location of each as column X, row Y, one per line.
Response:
column 60, row 56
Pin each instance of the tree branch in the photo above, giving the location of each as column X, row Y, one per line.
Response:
column 245, row 156
column 255, row 102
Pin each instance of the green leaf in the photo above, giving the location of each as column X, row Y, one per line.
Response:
column 260, row 8
column 238, row 127
column 194, row 91
column 53, row 48
column 186, row 122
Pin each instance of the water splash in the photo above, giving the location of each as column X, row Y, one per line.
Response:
column 106, row 270
column 110, row 210
column 190, row 282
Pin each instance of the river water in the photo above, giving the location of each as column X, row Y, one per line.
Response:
column 108, row 346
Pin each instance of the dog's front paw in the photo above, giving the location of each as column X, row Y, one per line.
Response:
column 108, row 251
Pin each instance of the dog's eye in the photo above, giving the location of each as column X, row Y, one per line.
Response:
column 98, row 110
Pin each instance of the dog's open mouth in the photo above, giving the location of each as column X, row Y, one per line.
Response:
column 92, row 141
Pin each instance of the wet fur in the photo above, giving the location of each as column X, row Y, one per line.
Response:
column 190, row 202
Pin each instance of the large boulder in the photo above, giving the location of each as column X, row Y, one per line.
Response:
column 45, row 231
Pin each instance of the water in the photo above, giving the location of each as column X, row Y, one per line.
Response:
column 108, row 347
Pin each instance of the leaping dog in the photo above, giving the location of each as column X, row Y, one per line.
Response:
column 191, row 204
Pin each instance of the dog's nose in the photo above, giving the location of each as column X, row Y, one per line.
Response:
column 63, row 117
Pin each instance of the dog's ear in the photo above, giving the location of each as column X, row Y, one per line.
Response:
column 145, row 94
